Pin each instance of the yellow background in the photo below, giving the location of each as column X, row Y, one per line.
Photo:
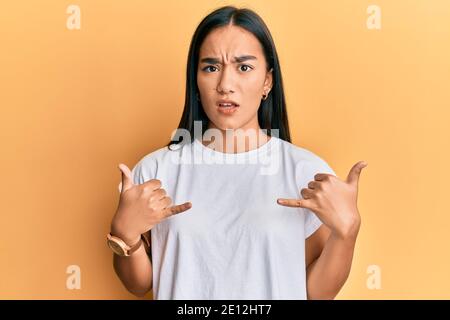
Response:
column 75, row 103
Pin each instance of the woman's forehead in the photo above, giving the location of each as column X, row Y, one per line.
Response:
column 230, row 41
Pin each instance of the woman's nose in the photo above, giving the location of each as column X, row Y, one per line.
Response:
column 225, row 84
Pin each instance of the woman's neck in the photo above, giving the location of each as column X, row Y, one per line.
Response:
column 235, row 140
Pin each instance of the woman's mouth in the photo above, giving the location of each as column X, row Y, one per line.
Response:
column 227, row 108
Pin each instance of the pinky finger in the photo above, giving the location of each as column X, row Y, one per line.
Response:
column 294, row 203
column 177, row 209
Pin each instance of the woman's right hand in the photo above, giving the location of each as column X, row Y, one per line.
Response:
column 141, row 207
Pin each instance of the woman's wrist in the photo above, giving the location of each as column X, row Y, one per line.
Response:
column 129, row 239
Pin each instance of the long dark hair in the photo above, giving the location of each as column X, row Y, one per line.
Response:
column 272, row 113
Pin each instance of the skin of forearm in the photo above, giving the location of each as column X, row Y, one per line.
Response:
column 326, row 275
column 135, row 271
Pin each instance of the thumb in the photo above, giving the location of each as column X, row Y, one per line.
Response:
column 127, row 180
column 355, row 171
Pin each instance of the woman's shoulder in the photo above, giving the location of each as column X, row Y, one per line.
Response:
column 147, row 165
column 155, row 155
column 307, row 158
column 300, row 153
column 163, row 155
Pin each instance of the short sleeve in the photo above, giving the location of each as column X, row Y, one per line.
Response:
column 306, row 172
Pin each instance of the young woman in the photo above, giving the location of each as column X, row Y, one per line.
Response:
column 261, row 218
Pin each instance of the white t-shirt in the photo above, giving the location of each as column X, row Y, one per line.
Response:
column 236, row 242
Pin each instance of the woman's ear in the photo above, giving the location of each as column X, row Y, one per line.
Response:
column 268, row 81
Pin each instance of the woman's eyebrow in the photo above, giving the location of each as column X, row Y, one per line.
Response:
column 236, row 59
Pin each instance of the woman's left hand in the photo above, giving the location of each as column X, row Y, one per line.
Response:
column 333, row 201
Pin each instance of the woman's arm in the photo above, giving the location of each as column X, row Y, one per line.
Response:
column 141, row 207
column 334, row 201
column 327, row 273
column 134, row 271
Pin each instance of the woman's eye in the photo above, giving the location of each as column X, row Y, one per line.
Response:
column 245, row 66
column 207, row 68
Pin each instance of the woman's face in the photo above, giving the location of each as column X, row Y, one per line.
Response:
column 221, row 77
